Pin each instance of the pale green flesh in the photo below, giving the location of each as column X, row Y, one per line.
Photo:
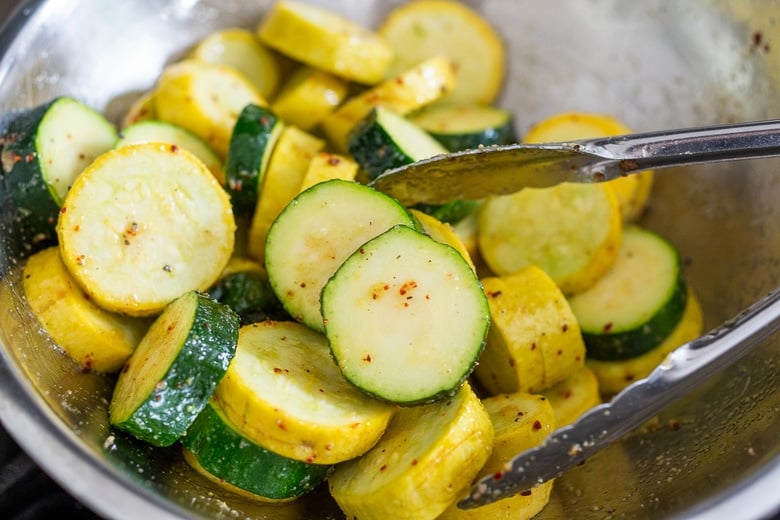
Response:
column 410, row 139
column 316, row 233
column 641, row 282
column 70, row 136
column 405, row 317
column 447, row 119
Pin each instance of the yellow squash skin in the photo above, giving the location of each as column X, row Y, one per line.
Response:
column 325, row 166
column 94, row 338
column 309, row 96
column 534, row 339
column 286, row 393
column 426, row 461
column 520, row 422
column 573, row 396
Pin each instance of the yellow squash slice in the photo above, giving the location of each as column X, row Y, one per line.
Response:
column 520, row 422
column 286, row 393
column 426, row 460
column 632, row 191
column 325, row 166
column 94, row 338
column 442, row 232
column 309, row 96
column 573, row 396
column 534, row 340
column 205, row 98
column 325, row 40
column 135, row 219
column 426, row 28
column 411, row 89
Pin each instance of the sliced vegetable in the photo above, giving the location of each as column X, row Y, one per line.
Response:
column 240, row 49
column 613, row 376
column 386, row 140
column 571, row 231
column 451, row 212
column 573, row 396
column 135, row 220
column 205, row 98
column 288, row 166
column 410, row 90
column 174, row 371
column 638, row 303
column 286, row 393
column 96, row 339
column 152, row 130
column 244, row 288
column 316, row 233
column 632, row 191
column 252, row 142
column 423, row 309
column 325, row 166
column 520, row 422
column 44, row 149
column 141, row 109
column 534, row 340
column 425, row 461
column 325, row 40
column 309, row 96
column 217, row 448
column 442, row 232
column 419, row 30
column 464, row 127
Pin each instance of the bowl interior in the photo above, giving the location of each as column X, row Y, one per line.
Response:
column 653, row 64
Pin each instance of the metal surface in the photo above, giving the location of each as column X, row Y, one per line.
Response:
column 655, row 64
column 500, row 170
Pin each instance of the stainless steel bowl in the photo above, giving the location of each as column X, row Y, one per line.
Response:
column 655, row 64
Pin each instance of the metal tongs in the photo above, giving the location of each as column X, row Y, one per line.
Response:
column 498, row 170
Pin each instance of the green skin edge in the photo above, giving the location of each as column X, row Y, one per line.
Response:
column 251, row 137
column 629, row 344
column 25, row 190
column 368, row 145
column 226, row 454
column 186, row 388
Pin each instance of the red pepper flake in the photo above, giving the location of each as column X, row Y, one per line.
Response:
column 367, row 358
column 533, row 346
column 384, row 467
column 537, row 425
column 414, row 462
column 607, row 327
column 565, row 327
column 567, row 394
column 498, row 475
column 674, row 425
column 81, row 260
column 302, row 285
column 526, row 493
column 494, row 294
column 29, row 157
column 406, row 287
column 511, row 361
column 280, row 424
column 333, row 160
column 126, row 368
column 560, row 352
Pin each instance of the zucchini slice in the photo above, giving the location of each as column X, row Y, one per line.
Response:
column 241, row 49
column 244, row 288
column 573, row 396
column 217, row 449
column 252, row 142
column 638, row 303
column 43, row 150
column 325, row 40
column 205, row 98
column 309, row 96
column 289, row 163
column 96, row 339
column 425, row 461
column 418, row 30
column 155, row 131
column 286, row 394
column 405, row 317
column 613, row 376
column 520, row 422
column 300, row 256
column 571, row 231
column 464, row 127
column 386, row 140
column 136, row 218
column 412, row 89
column 632, row 191
column 174, row 371
column 534, row 341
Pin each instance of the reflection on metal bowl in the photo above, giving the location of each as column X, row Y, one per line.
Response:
column 655, row 64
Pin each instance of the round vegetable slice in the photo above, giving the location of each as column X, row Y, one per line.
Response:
column 286, row 393
column 217, row 448
column 463, row 127
column 174, row 371
column 405, row 317
column 136, row 218
column 573, row 396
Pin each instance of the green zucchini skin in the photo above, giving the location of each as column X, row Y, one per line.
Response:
column 451, row 212
column 224, row 452
column 377, row 147
column 633, row 343
column 467, row 127
column 189, row 382
column 251, row 143
column 250, row 296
